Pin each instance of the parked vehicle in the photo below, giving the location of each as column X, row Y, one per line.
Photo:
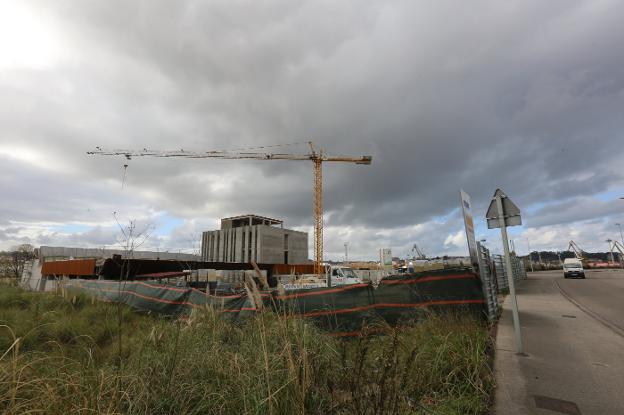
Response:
column 573, row 268
column 334, row 276
column 342, row 275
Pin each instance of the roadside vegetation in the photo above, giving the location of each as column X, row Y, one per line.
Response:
column 79, row 356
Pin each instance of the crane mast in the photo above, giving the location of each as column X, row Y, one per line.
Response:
column 316, row 156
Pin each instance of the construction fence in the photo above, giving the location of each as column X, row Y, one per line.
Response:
column 493, row 273
column 343, row 311
column 519, row 273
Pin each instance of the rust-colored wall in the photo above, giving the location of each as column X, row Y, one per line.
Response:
column 70, row 267
column 286, row 269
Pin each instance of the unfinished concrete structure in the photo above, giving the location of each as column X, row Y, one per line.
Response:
column 61, row 253
column 256, row 238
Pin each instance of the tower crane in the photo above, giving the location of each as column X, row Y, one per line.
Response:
column 316, row 156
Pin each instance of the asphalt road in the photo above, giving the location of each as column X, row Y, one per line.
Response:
column 573, row 344
column 600, row 294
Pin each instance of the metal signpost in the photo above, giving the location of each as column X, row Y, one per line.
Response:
column 502, row 213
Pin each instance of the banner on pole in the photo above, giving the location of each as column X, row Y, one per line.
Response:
column 469, row 223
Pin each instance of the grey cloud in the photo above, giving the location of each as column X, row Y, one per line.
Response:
column 575, row 210
column 525, row 96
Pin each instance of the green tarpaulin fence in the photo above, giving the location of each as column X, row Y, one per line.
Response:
column 342, row 310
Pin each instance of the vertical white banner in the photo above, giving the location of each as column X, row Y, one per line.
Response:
column 469, row 223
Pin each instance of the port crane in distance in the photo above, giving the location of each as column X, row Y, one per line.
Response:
column 316, row 156
column 578, row 252
column 617, row 246
column 419, row 254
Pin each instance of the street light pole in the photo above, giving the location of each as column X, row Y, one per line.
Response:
column 530, row 254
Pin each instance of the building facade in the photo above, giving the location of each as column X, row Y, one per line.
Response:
column 254, row 238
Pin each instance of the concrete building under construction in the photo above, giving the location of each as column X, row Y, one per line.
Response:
column 254, row 238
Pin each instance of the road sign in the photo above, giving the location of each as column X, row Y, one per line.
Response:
column 502, row 213
column 510, row 214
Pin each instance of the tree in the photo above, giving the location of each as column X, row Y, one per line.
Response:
column 14, row 266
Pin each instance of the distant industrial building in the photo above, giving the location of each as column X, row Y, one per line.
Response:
column 60, row 253
column 254, row 238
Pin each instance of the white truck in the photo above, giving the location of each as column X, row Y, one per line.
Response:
column 341, row 275
column 335, row 276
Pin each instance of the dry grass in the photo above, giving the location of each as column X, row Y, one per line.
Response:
column 59, row 357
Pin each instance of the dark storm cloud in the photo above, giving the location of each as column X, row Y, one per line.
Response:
column 526, row 96
column 578, row 209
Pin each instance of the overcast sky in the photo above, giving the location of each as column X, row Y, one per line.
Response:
column 523, row 95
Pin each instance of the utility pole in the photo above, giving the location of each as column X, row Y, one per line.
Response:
column 346, row 245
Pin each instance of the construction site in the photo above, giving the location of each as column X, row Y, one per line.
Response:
column 252, row 253
column 255, row 272
column 253, row 257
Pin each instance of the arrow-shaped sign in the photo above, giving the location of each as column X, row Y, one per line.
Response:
column 511, row 213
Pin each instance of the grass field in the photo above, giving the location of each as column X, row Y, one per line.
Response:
column 74, row 357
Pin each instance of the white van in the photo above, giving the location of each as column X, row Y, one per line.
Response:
column 573, row 268
column 342, row 275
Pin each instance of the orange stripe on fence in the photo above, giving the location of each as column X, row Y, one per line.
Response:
column 329, row 291
column 389, row 305
column 429, row 279
column 125, row 282
column 147, row 297
column 159, row 299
